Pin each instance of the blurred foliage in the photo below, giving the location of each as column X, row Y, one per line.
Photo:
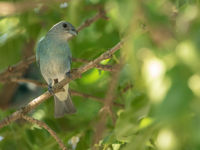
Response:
column 161, row 60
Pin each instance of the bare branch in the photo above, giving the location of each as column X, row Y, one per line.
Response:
column 45, row 126
column 73, row 92
column 76, row 93
column 57, row 87
column 30, row 106
column 110, row 68
column 88, row 22
column 16, row 68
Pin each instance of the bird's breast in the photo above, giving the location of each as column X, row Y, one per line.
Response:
column 54, row 65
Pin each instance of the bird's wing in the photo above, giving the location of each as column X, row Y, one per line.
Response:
column 37, row 56
column 70, row 60
column 69, row 57
column 38, row 52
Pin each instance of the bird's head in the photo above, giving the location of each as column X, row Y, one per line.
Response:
column 63, row 29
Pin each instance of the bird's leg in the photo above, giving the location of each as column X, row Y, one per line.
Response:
column 68, row 74
column 50, row 87
column 56, row 81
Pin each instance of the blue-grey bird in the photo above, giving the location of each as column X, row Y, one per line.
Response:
column 54, row 59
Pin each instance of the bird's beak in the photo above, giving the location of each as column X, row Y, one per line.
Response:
column 73, row 32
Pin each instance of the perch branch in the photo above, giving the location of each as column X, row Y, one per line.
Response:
column 73, row 92
column 45, row 126
column 56, row 88
column 110, row 68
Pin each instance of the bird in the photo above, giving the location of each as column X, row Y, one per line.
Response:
column 54, row 59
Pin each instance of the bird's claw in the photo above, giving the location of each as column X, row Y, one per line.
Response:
column 68, row 74
column 50, row 89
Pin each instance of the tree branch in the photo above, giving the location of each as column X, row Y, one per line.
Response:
column 45, row 126
column 16, row 68
column 110, row 68
column 88, row 22
column 56, row 88
column 73, row 92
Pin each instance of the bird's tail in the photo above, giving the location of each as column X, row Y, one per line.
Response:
column 63, row 107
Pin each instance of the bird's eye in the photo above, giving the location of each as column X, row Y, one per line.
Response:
column 64, row 25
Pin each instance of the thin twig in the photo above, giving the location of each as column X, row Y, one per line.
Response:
column 88, row 22
column 45, row 126
column 57, row 87
column 127, row 87
column 76, row 93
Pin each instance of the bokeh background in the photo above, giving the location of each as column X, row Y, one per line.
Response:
column 158, row 84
